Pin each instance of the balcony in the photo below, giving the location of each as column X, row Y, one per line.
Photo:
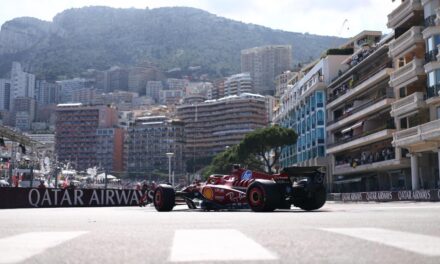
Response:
column 360, row 112
column 403, row 13
column 391, row 164
column 407, row 74
column 407, row 42
column 361, row 86
column 408, row 104
column 423, row 136
column 360, row 140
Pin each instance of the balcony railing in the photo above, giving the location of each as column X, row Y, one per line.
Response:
column 405, row 73
column 341, row 141
column 431, row 55
column 359, row 108
column 351, row 84
column 406, row 41
column 402, row 12
column 419, row 133
column 433, row 91
column 367, row 157
column 430, row 21
column 407, row 103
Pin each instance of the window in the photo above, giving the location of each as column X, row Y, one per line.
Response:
column 403, row 123
column 438, row 112
column 321, row 151
column 319, row 99
column 402, row 92
column 320, row 117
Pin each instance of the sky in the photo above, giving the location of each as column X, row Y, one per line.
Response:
column 343, row 18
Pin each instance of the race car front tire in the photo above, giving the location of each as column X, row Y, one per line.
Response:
column 263, row 196
column 164, row 198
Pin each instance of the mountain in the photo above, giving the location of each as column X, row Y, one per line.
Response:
column 101, row 37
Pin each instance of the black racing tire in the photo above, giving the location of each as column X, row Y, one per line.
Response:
column 263, row 196
column 164, row 198
column 314, row 199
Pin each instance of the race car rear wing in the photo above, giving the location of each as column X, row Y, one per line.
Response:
column 303, row 171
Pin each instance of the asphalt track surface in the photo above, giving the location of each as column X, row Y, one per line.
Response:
column 338, row 233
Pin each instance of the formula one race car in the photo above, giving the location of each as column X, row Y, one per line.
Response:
column 301, row 186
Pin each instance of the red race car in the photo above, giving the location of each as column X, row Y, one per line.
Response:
column 301, row 186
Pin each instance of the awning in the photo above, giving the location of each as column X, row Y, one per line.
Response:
column 348, row 181
column 348, row 129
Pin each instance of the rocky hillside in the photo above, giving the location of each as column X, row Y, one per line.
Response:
column 100, row 37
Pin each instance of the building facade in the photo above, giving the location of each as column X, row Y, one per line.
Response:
column 264, row 64
column 146, row 144
column 359, row 126
column 238, row 84
column 214, row 125
column 302, row 108
column 153, row 89
column 47, row 93
column 22, row 83
column 76, row 126
column 5, row 95
column 109, row 150
column 415, row 81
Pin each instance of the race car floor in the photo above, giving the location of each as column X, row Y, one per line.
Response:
column 338, row 233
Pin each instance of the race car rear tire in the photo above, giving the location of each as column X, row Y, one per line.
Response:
column 164, row 198
column 263, row 196
column 314, row 199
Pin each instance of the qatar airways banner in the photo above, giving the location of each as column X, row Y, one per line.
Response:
column 388, row 196
column 36, row 198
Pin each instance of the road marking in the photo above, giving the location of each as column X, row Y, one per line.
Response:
column 20, row 247
column 216, row 245
column 417, row 243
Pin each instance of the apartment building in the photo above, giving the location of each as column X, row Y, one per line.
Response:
column 238, row 84
column 153, row 89
column 68, row 87
column 416, row 82
column 5, row 94
column 22, row 83
column 76, row 137
column 109, row 149
column 218, row 91
column 214, row 125
column 170, row 97
column 47, row 93
column 281, row 82
column 264, row 64
column 302, row 108
column 359, row 126
column 24, row 112
column 147, row 142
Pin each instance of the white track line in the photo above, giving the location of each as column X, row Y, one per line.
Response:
column 20, row 247
column 216, row 245
column 420, row 244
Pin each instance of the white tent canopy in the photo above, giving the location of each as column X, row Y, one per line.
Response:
column 102, row 176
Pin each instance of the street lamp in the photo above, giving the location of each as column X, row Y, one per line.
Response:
column 170, row 155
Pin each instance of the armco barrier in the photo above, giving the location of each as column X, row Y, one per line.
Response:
column 387, row 196
column 35, row 198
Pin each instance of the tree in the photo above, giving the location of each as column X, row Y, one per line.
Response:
column 266, row 144
column 223, row 161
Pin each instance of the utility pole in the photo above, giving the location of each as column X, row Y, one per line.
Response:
column 170, row 155
column 105, row 179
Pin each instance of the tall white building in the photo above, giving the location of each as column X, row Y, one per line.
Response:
column 22, row 83
column 264, row 64
column 238, row 84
